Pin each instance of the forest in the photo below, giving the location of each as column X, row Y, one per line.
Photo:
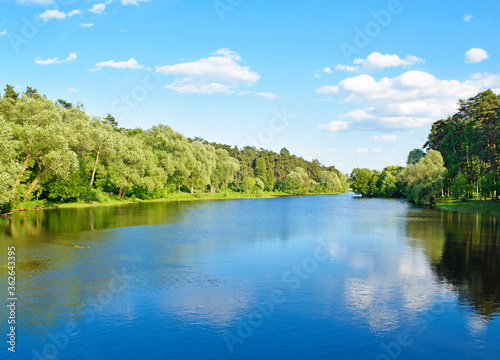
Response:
column 53, row 152
column 461, row 162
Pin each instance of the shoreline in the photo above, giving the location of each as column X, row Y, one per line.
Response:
column 182, row 197
column 482, row 207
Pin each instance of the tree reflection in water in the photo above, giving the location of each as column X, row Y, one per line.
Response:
column 464, row 251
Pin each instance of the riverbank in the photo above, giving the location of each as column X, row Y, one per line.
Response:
column 483, row 207
column 221, row 195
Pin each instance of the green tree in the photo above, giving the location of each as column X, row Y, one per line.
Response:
column 298, row 181
column 10, row 93
column 248, row 184
column 32, row 93
column 102, row 144
column 9, row 167
column 361, row 181
column 200, row 169
column 225, row 170
column 45, row 142
column 111, row 120
column 414, row 156
column 134, row 166
column 425, row 178
column 64, row 103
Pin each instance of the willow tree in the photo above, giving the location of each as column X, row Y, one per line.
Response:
column 134, row 166
column 9, row 166
column 330, row 181
column 101, row 144
column 425, row 178
column 174, row 153
column 225, row 170
column 297, row 180
column 201, row 168
column 44, row 143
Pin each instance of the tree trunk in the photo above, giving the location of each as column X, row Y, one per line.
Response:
column 179, row 189
column 212, row 189
column 18, row 180
column 95, row 168
column 192, row 189
column 34, row 183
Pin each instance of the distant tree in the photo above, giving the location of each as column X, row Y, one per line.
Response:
column 259, row 186
column 330, row 181
column 248, row 184
column 225, row 170
column 10, row 93
column 32, row 93
column 298, row 181
column 111, row 120
column 414, row 156
column 284, row 152
column 64, row 103
column 361, row 181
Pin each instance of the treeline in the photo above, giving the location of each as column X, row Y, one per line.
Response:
column 54, row 151
column 462, row 159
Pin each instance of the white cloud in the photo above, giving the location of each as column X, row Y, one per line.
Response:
column 52, row 14
column 219, row 73
column 56, row 14
column 328, row 70
column 468, row 18
column 87, row 25
column 384, row 138
column 35, row 2
column 74, row 12
column 328, row 89
column 361, row 151
column 360, row 114
column 411, row 100
column 475, row 55
column 50, row 61
column 3, row 33
column 266, row 95
column 133, row 2
column 378, row 61
column 334, row 126
column 129, row 64
column 98, row 8
column 346, row 68
column 376, row 150
column 73, row 90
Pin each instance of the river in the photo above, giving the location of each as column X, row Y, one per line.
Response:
column 312, row 277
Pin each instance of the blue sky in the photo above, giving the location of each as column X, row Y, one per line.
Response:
column 352, row 83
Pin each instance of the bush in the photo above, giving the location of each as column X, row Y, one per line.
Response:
column 96, row 195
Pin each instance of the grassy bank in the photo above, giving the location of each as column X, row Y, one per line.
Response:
column 113, row 201
column 471, row 206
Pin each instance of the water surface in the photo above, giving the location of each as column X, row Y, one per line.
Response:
column 316, row 277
